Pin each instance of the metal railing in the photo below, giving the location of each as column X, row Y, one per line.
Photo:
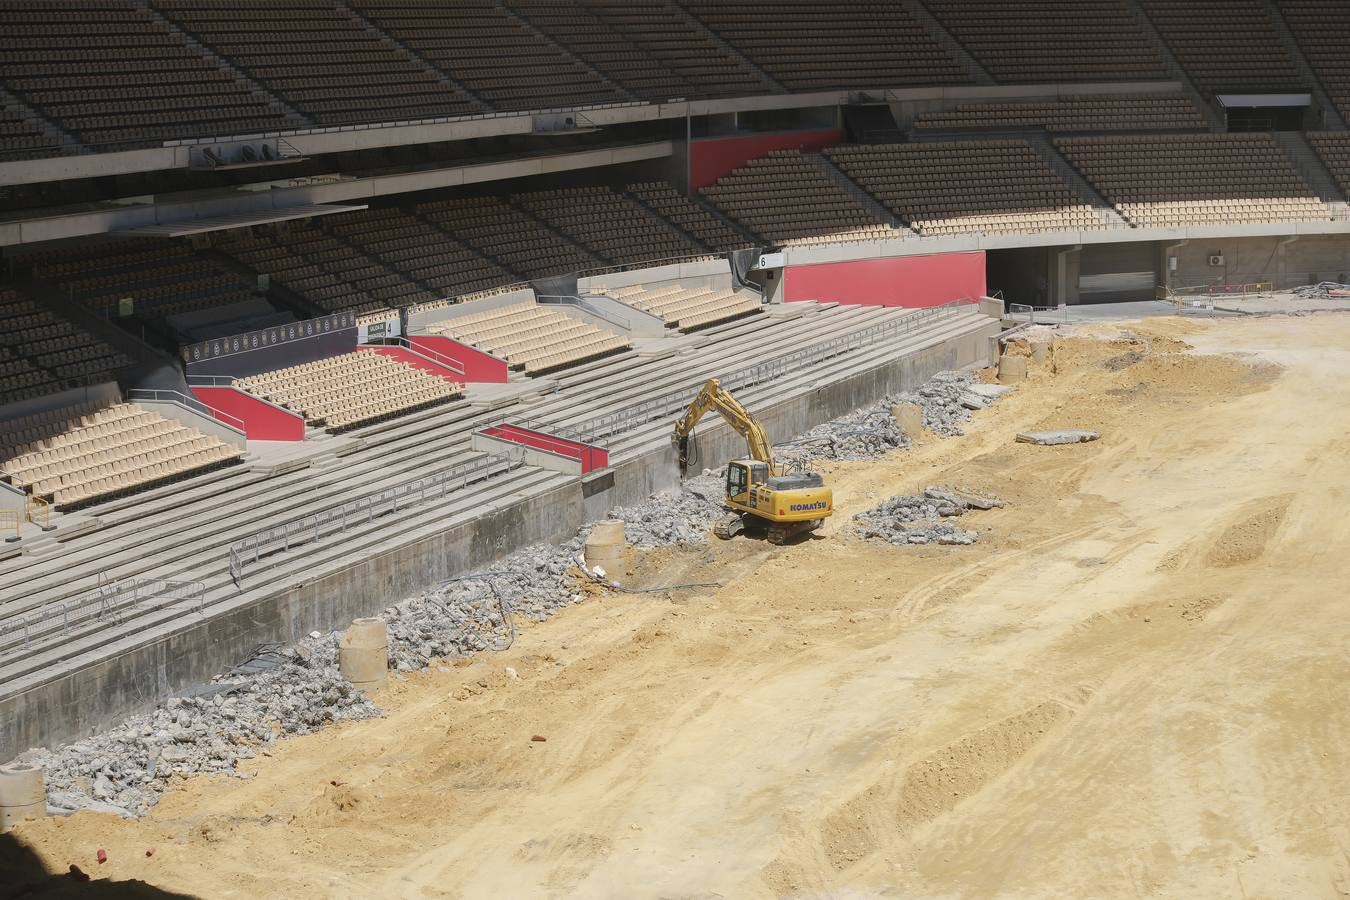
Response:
column 10, row 520
column 555, row 429
column 565, row 300
column 1049, row 314
column 673, row 401
column 427, row 353
column 160, row 395
column 361, row 511
column 39, row 512
column 107, row 605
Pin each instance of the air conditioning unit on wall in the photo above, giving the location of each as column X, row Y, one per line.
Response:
column 1216, row 260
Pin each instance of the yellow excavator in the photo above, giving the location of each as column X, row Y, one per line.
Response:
column 760, row 499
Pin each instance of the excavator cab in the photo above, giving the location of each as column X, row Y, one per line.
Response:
column 742, row 476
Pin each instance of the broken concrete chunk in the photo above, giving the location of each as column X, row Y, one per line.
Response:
column 1052, row 438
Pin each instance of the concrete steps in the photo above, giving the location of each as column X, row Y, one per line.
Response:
column 1077, row 182
column 1314, row 171
column 697, row 24
column 523, row 21
column 69, row 143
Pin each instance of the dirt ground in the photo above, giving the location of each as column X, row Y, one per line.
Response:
column 1135, row 684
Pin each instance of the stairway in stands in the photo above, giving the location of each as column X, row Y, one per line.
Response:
column 1309, row 164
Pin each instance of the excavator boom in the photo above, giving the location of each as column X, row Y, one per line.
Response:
column 714, row 396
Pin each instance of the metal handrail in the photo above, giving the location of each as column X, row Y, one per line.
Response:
column 566, row 300
column 427, row 353
column 554, row 429
column 192, row 403
column 363, row 510
column 108, row 604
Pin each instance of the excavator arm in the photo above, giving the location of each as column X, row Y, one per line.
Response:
column 714, row 397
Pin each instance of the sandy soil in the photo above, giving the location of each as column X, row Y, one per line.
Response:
column 1134, row 685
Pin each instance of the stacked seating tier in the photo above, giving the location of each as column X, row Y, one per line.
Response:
column 532, row 337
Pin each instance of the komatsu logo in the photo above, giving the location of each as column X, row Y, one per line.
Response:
column 807, row 507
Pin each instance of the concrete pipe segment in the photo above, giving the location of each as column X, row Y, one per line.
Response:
column 1011, row 369
column 604, row 547
column 909, row 416
column 363, row 653
column 22, row 794
column 1040, row 351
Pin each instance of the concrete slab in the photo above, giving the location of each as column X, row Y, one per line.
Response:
column 495, row 396
column 1054, row 438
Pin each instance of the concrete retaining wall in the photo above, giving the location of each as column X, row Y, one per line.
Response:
column 80, row 703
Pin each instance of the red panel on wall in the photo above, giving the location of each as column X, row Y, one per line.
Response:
column 711, row 158
column 262, row 421
column 478, row 366
column 590, row 456
column 894, row 281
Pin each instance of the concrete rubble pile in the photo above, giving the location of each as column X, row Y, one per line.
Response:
column 281, row 693
column 868, row 433
column 948, row 399
column 681, row 516
column 918, row 518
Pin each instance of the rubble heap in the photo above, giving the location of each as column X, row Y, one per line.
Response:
column 918, row 518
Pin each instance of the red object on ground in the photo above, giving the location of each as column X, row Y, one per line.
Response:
column 913, row 281
column 711, row 158
column 150, row 852
column 539, row 737
column 102, row 856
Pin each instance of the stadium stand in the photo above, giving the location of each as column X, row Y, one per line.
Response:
column 484, row 48
column 688, row 215
column 79, row 457
column 1115, row 112
column 111, row 75
column 23, row 138
column 1052, row 40
column 1225, row 44
column 532, row 337
column 1176, row 180
column 609, row 224
column 669, row 38
column 162, row 279
column 1334, row 149
column 879, row 43
column 688, row 309
column 307, row 51
column 351, row 389
column 967, row 186
column 1321, row 26
column 516, row 240
column 331, row 274
column 788, row 199
column 610, row 52
column 418, row 250
column 40, row 352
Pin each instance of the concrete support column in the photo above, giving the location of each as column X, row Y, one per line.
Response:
column 1167, row 256
column 1064, row 270
column 1282, row 261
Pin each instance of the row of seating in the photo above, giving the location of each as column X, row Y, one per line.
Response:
column 41, row 352
column 611, row 225
column 878, row 43
column 692, row 218
column 418, row 250
column 1334, row 148
column 1225, row 45
column 1113, row 112
column 788, row 199
column 967, row 186
column 351, row 389
column 516, row 240
column 86, row 454
column 531, row 337
column 1195, row 179
column 688, row 309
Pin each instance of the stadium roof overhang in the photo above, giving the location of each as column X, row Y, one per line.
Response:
column 1253, row 101
column 240, row 220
